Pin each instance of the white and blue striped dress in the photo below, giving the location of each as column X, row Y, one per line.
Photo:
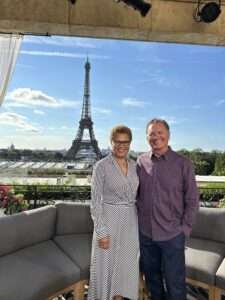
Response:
column 114, row 271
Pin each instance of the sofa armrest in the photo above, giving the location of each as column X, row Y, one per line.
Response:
column 73, row 218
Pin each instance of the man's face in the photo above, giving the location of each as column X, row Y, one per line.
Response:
column 158, row 137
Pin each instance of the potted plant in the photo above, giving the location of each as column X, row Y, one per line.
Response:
column 9, row 201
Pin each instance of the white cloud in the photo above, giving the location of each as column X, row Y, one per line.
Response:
column 133, row 102
column 27, row 97
column 18, row 121
column 14, row 104
column 63, row 54
column 39, row 112
column 60, row 41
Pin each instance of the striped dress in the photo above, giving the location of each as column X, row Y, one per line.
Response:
column 114, row 271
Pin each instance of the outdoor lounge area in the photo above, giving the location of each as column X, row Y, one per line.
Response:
column 45, row 252
column 49, row 253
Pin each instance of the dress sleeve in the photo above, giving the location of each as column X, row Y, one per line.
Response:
column 97, row 186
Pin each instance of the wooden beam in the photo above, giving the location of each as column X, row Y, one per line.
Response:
column 167, row 21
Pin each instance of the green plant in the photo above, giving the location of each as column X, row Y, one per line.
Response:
column 222, row 203
column 11, row 202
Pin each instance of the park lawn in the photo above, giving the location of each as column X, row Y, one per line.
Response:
column 213, row 185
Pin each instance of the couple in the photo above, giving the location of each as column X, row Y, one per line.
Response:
column 163, row 183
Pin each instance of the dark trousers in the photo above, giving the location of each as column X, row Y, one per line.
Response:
column 163, row 264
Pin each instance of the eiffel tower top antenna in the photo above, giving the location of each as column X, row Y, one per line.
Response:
column 86, row 109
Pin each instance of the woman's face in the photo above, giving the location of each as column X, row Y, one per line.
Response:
column 121, row 145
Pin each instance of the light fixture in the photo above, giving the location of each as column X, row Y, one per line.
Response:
column 73, row 1
column 140, row 5
column 207, row 12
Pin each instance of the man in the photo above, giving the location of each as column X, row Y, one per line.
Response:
column 167, row 207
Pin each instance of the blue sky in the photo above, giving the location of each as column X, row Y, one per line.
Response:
column 131, row 82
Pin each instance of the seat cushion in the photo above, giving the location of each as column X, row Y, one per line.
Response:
column 78, row 248
column 203, row 258
column 220, row 276
column 26, row 229
column 210, row 224
column 73, row 218
column 36, row 272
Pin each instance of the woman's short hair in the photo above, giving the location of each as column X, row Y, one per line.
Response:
column 120, row 129
column 156, row 121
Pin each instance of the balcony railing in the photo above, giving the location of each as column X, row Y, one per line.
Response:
column 40, row 195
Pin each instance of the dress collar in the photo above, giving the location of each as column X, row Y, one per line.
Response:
column 113, row 159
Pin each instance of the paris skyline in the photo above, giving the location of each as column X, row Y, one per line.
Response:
column 130, row 83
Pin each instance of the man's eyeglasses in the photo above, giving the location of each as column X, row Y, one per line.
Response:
column 121, row 143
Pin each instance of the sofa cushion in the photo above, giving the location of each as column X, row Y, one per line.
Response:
column 36, row 272
column 27, row 228
column 73, row 218
column 220, row 276
column 203, row 258
column 210, row 224
column 78, row 248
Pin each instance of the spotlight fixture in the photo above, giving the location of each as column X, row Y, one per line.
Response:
column 140, row 5
column 207, row 12
column 73, row 1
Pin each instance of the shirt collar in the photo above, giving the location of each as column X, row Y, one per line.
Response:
column 165, row 156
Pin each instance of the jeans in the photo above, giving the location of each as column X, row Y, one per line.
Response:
column 163, row 264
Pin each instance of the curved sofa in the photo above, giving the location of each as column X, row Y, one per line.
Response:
column 205, row 252
column 45, row 252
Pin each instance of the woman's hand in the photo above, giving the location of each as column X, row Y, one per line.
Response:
column 104, row 243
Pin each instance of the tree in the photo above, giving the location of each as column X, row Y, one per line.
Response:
column 219, row 169
column 201, row 167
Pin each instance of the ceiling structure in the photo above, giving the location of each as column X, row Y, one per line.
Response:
column 167, row 21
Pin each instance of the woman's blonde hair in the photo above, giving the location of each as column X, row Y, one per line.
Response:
column 118, row 130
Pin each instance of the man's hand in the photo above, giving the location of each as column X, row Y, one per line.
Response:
column 104, row 243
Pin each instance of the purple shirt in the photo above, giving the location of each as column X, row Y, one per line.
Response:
column 168, row 196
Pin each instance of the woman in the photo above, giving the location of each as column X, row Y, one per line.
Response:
column 115, row 248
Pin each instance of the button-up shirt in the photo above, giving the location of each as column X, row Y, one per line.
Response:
column 168, row 197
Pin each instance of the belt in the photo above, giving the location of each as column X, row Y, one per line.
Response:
column 120, row 204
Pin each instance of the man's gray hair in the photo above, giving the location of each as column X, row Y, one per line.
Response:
column 158, row 120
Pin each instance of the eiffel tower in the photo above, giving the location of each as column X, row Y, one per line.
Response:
column 81, row 145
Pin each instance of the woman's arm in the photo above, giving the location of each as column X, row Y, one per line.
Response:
column 97, row 187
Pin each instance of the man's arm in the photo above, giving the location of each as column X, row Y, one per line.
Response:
column 191, row 198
